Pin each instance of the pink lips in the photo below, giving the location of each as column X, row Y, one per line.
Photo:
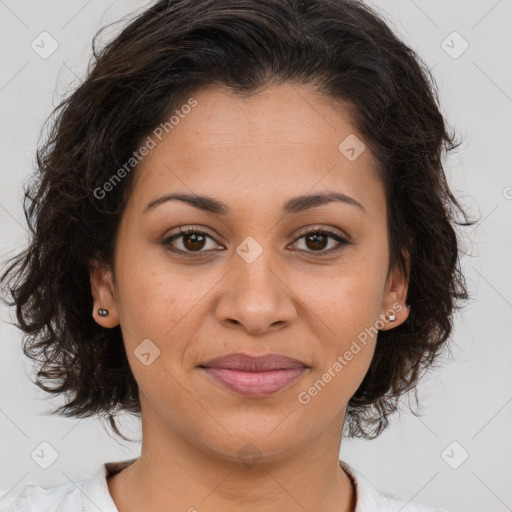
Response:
column 254, row 376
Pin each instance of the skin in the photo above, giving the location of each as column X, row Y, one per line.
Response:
column 252, row 154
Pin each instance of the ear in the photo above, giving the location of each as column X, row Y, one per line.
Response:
column 103, row 293
column 395, row 295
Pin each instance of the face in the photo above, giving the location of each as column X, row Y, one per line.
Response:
column 264, row 273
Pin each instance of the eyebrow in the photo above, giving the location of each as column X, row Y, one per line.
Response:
column 294, row 205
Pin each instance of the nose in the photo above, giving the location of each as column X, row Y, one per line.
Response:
column 256, row 297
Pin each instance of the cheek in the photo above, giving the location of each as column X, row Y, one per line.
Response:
column 148, row 294
column 348, row 300
column 348, row 333
column 159, row 300
column 346, row 313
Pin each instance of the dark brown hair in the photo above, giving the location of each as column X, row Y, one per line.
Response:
column 135, row 82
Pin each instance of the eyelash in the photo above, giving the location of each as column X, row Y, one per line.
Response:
column 342, row 242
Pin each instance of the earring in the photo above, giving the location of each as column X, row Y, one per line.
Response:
column 391, row 317
column 103, row 312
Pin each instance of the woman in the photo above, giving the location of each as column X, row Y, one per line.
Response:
column 243, row 234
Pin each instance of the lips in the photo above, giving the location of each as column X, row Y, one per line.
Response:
column 252, row 376
column 246, row 363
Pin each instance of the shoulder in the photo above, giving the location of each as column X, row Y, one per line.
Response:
column 369, row 499
column 86, row 494
column 28, row 498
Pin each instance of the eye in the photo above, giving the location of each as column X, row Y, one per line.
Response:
column 191, row 240
column 194, row 240
column 316, row 240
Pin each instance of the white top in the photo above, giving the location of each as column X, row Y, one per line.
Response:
column 91, row 494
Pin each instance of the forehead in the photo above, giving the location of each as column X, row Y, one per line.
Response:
column 292, row 112
column 282, row 141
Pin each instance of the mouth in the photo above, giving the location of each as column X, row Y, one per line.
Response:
column 255, row 377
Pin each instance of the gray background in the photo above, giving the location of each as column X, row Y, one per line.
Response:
column 467, row 402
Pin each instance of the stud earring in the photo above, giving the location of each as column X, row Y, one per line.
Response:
column 103, row 312
column 391, row 317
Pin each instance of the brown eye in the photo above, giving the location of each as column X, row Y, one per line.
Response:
column 194, row 241
column 317, row 241
column 190, row 240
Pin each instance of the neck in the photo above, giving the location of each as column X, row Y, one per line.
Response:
column 173, row 474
